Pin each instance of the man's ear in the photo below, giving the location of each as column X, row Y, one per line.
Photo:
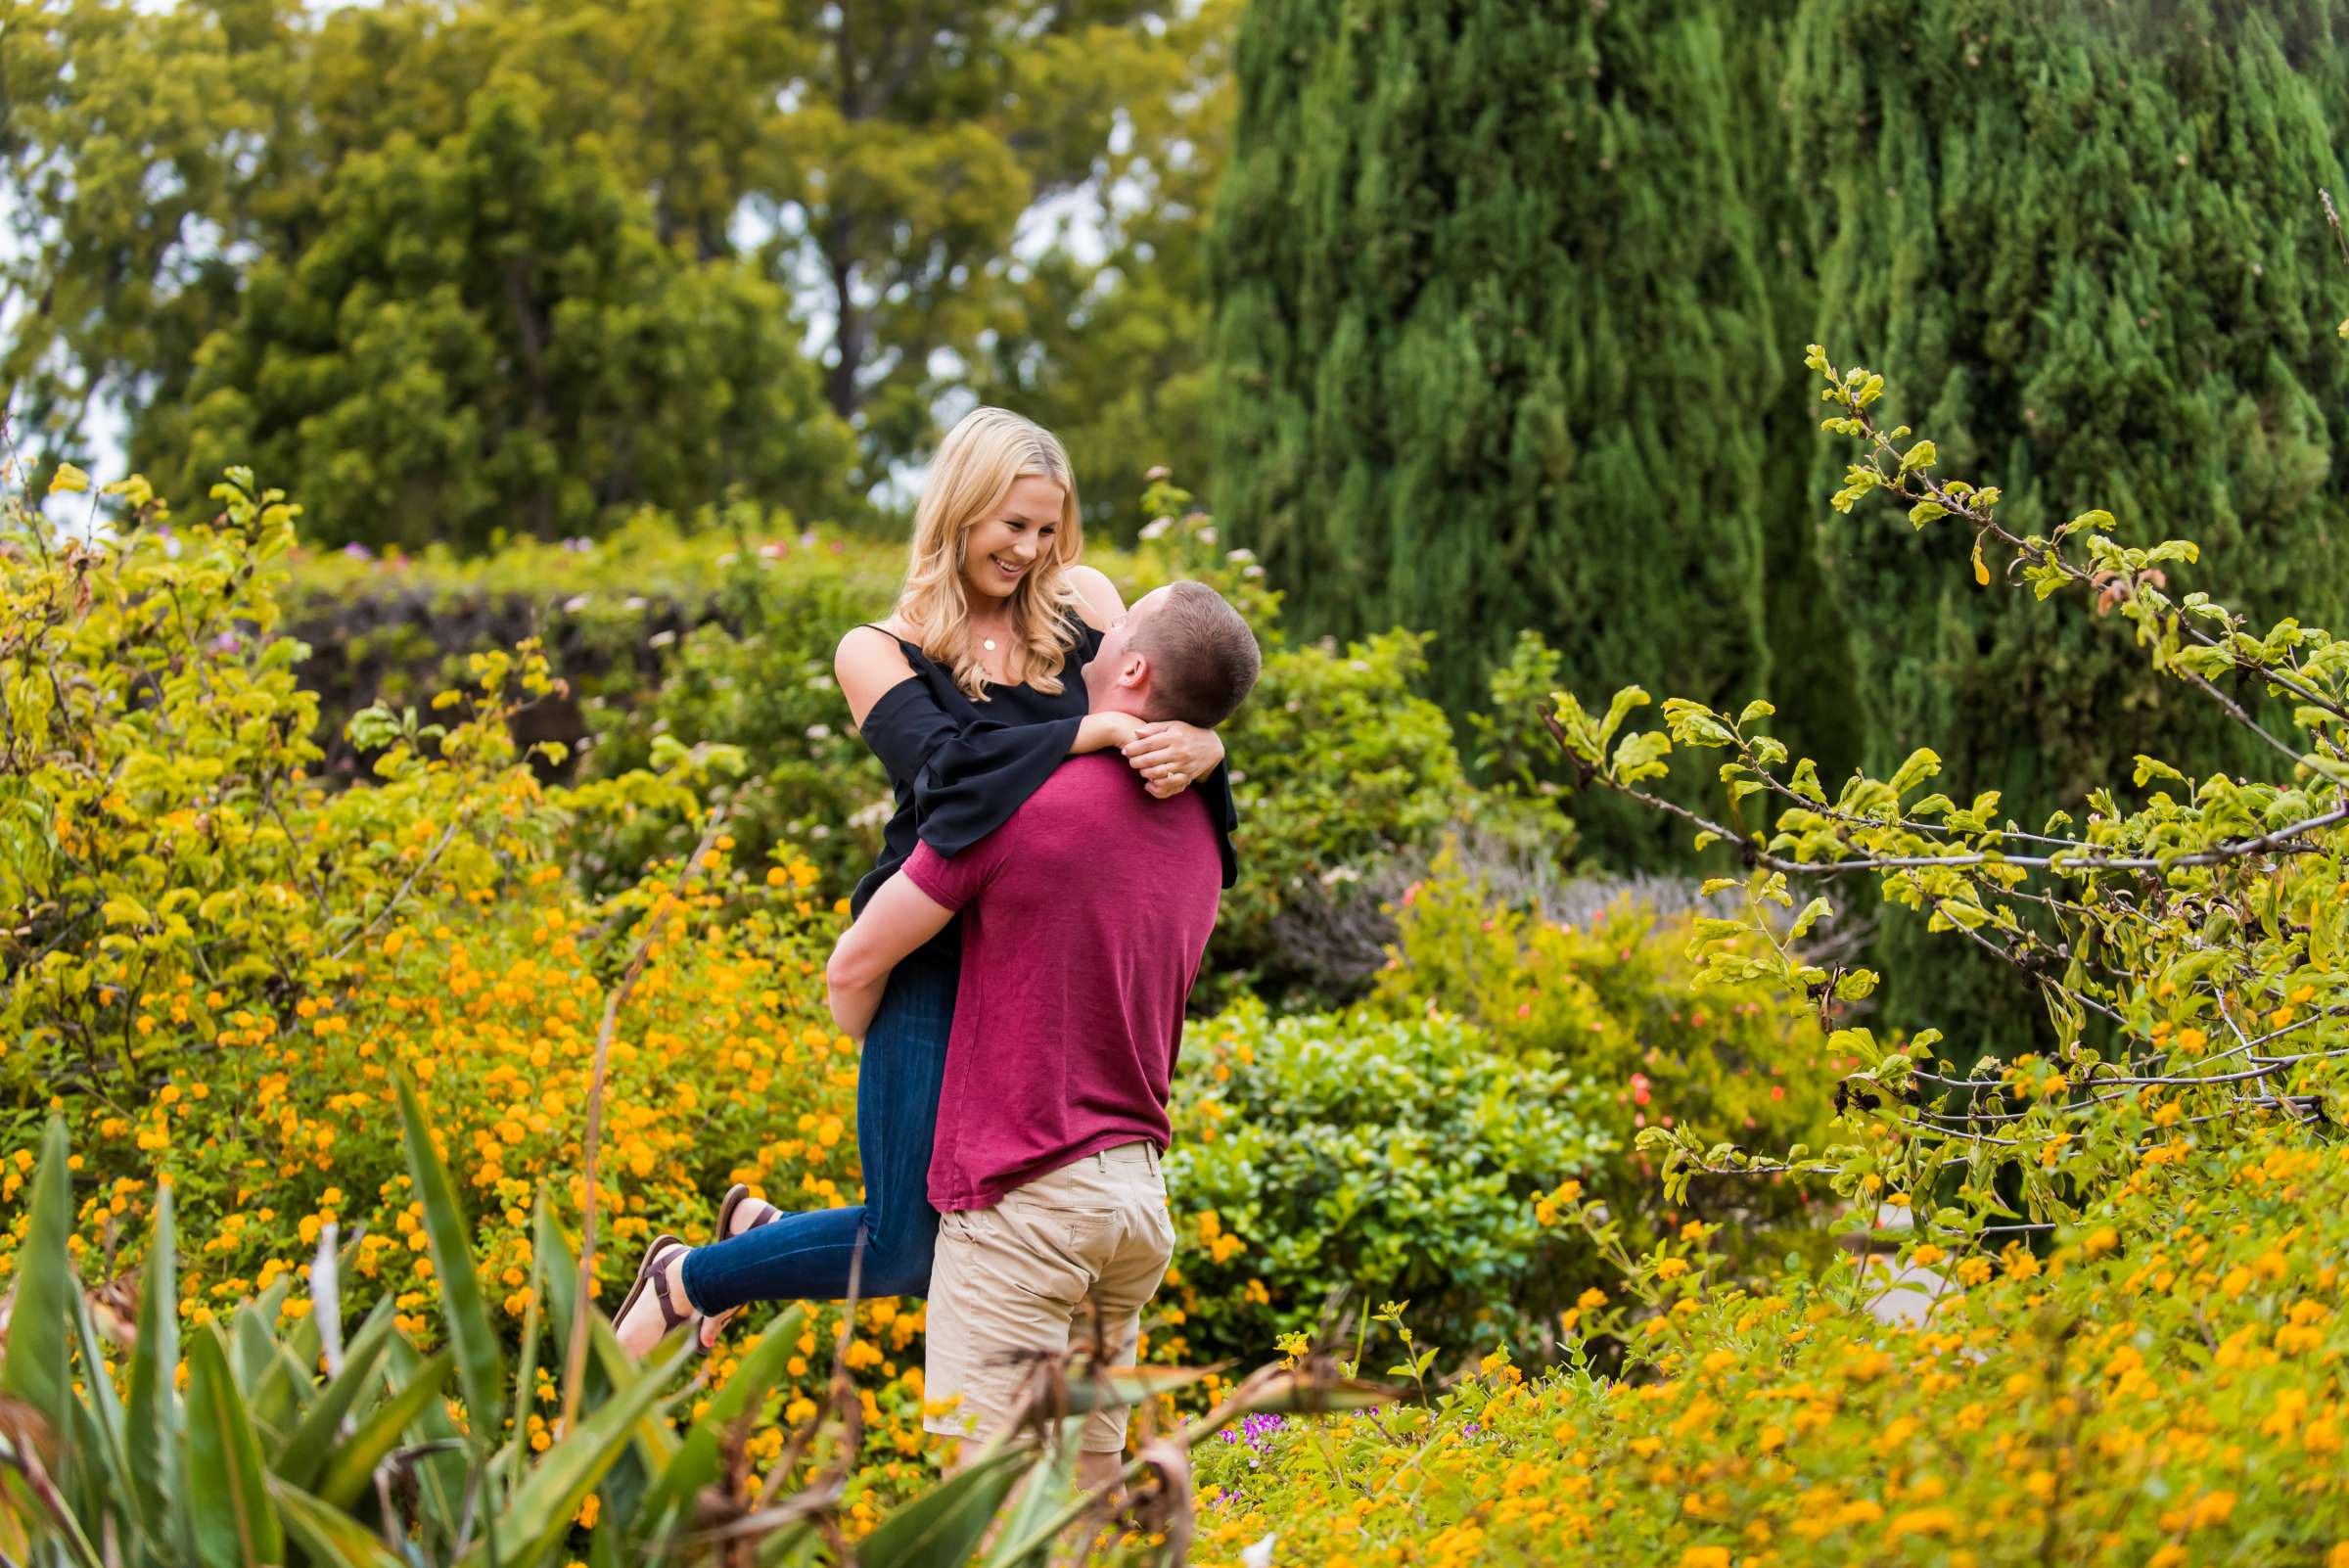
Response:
column 1135, row 673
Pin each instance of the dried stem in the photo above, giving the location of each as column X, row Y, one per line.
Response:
column 574, row 1361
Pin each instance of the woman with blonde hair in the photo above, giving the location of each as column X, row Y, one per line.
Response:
column 970, row 695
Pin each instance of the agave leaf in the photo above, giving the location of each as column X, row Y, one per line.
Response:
column 303, row 1452
column 328, row 1537
column 30, row 1495
column 794, row 1543
column 235, row 1525
column 542, row 1508
column 944, row 1526
column 1293, row 1393
column 696, row 1465
column 609, row 1367
column 252, row 1336
column 288, row 1379
column 101, row 1431
column 414, row 1390
column 152, row 1438
column 1050, row 1485
column 1131, row 1385
column 434, row 1445
column 480, row 1360
column 514, row 1458
column 34, row 1370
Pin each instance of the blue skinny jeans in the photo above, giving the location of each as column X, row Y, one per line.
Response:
column 806, row 1255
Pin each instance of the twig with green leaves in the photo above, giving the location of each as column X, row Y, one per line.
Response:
column 2215, row 896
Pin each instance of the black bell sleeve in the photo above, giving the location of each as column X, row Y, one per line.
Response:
column 975, row 779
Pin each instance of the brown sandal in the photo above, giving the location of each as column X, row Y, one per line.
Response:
column 736, row 1196
column 654, row 1272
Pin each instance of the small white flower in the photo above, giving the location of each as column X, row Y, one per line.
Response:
column 662, row 639
column 1207, row 535
column 818, row 732
column 1157, row 527
column 576, row 603
column 635, row 601
column 1260, row 1555
column 1239, row 557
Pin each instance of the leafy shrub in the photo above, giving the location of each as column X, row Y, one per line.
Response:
column 221, row 967
column 1609, row 1000
column 299, row 1428
column 2122, row 1329
column 756, row 677
column 2160, row 1387
column 1327, row 1156
column 1347, row 778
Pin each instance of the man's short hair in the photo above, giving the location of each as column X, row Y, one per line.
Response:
column 1203, row 658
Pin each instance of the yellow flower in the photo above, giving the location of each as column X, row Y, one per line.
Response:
column 2212, row 1509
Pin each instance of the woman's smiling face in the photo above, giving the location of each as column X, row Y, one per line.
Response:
column 1005, row 544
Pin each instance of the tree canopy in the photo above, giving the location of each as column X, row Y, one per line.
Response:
column 688, row 200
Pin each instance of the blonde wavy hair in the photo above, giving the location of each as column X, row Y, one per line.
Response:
column 985, row 452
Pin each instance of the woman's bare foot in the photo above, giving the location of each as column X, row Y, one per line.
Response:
column 739, row 1214
column 644, row 1322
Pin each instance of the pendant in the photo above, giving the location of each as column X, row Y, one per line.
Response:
column 989, row 643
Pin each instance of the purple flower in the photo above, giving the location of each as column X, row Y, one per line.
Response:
column 357, row 551
column 226, row 642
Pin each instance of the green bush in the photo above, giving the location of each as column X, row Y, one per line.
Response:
column 1608, row 999
column 2160, row 1386
column 756, row 677
column 1333, row 1160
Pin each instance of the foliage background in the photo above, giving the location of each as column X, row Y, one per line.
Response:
column 592, row 348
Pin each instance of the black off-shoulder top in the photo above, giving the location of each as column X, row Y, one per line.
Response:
column 960, row 768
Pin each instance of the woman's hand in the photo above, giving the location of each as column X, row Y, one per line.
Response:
column 1105, row 730
column 1172, row 755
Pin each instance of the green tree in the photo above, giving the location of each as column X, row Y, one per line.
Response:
column 487, row 333
column 1475, row 266
column 1106, row 336
column 871, row 162
column 2089, row 245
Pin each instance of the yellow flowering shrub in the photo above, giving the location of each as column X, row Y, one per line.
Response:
column 220, row 966
column 1609, row 999
column 2162, row 1385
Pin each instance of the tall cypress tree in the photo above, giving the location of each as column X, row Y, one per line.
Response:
column 2085, row 246
column 1508, row 316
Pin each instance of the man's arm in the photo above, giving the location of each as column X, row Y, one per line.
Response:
column 900, row 918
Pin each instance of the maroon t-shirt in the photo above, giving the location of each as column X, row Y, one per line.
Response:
column 1084, row 919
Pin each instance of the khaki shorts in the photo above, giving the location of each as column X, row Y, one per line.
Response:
column 1030, row 1273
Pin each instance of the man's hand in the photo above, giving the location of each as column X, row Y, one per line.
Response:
column 900, row 918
